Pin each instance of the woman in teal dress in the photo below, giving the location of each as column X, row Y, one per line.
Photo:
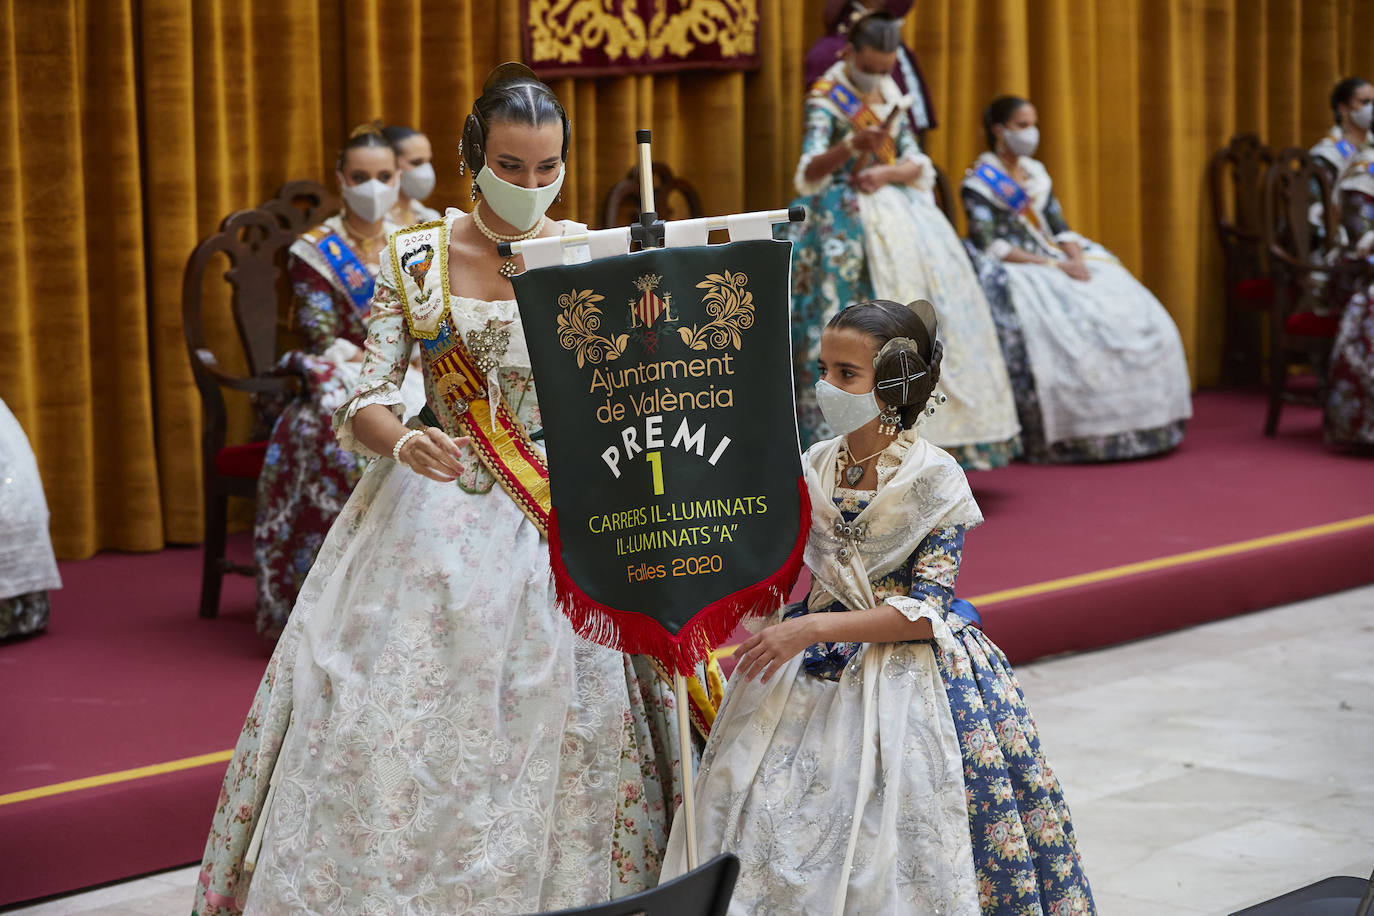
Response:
column 873, row 230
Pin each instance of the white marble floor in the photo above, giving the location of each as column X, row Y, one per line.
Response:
column 1208, row 769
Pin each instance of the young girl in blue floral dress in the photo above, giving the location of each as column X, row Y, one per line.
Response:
column 874, row 753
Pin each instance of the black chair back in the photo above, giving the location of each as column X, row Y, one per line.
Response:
column 703, row 892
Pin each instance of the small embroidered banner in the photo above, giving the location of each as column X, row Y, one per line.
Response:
column 615, row 37
column 665, row 388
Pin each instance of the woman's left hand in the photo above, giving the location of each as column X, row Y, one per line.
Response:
column 871, row 178
column 768, row 651
column 1076, row 268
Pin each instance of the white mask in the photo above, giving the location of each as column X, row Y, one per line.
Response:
column 371, row 199
column 1363, row 116
column 519, row 206
column 863, row 81
column 844, row 411
column 419, row 181
column 1022, row 142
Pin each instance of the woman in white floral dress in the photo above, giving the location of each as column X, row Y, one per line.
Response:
column 430, row 735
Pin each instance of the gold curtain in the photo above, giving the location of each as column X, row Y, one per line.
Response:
column 131, row 127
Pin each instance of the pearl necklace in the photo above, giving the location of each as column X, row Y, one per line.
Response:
column 508, row 268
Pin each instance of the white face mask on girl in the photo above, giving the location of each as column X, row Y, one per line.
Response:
column 1022, row 142
column 863, row 81
column 419, row 181
column 371, row 199
column 844, row 411
column 519, row 206
column 1363, row 116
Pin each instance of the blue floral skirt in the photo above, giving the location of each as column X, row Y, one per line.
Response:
column 1024, row 851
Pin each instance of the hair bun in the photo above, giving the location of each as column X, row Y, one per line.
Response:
column 902, row 373
column 373, row 127
column 512, row 71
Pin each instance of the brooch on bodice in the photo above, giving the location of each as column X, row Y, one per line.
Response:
column 488, row 345
column 853, row 532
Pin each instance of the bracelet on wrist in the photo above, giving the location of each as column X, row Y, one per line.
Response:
column 400, row 443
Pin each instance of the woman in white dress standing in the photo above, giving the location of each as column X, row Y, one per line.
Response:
column 874, row 753
column 873, row 231
column 430, row 735
column 1105, row 375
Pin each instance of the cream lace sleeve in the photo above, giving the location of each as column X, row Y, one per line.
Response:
column 909, row 149
column 384, row 364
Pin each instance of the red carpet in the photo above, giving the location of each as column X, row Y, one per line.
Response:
column 128, row 676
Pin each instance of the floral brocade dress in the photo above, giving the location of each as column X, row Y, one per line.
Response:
column 896, row 244
column 1349, row 414
column 306, row 476
column 955, row 810
column 435, row 737
column 1097, row 366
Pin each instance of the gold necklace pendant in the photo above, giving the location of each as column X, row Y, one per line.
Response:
column 507, row 268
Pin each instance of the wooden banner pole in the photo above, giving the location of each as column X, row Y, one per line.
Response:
column 684, row 735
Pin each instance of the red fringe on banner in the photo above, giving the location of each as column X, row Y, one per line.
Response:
column 640, row 634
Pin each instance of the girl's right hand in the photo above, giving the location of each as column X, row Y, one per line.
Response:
column 435, row 455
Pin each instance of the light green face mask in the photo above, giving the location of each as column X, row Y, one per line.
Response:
column 519, row 206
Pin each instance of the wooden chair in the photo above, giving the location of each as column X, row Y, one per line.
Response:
column 1236, row 176
column 302, row 204
column 674, row 197
column 706, row 891
column 945, row 197
column 1302, row 326
column 254, row 242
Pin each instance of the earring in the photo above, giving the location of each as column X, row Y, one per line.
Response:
column 462, row 163
column 559, row 198
column 472, row 191
column 889, row 421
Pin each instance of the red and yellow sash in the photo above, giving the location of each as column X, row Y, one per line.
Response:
column 498, row 437
column 858, row 113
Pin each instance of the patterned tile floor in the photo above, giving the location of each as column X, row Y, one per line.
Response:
column 1208, row 769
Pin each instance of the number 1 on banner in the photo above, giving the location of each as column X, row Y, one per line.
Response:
column 657, row 463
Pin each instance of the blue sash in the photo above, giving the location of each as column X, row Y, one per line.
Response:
column 357, row 282
column 1345, row 148
column 1004, row 186
column 845, row 100
column 859, row 115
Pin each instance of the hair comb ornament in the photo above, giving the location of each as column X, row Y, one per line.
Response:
column 931, row 322
column 911, row 368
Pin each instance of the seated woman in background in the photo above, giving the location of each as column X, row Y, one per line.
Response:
column 1352, row 105
column 873, row 230
column 1349, row 418
column 307, row 477
column 415, row 159
column 839, row 15
column 28, row 569
column 1104, row 375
